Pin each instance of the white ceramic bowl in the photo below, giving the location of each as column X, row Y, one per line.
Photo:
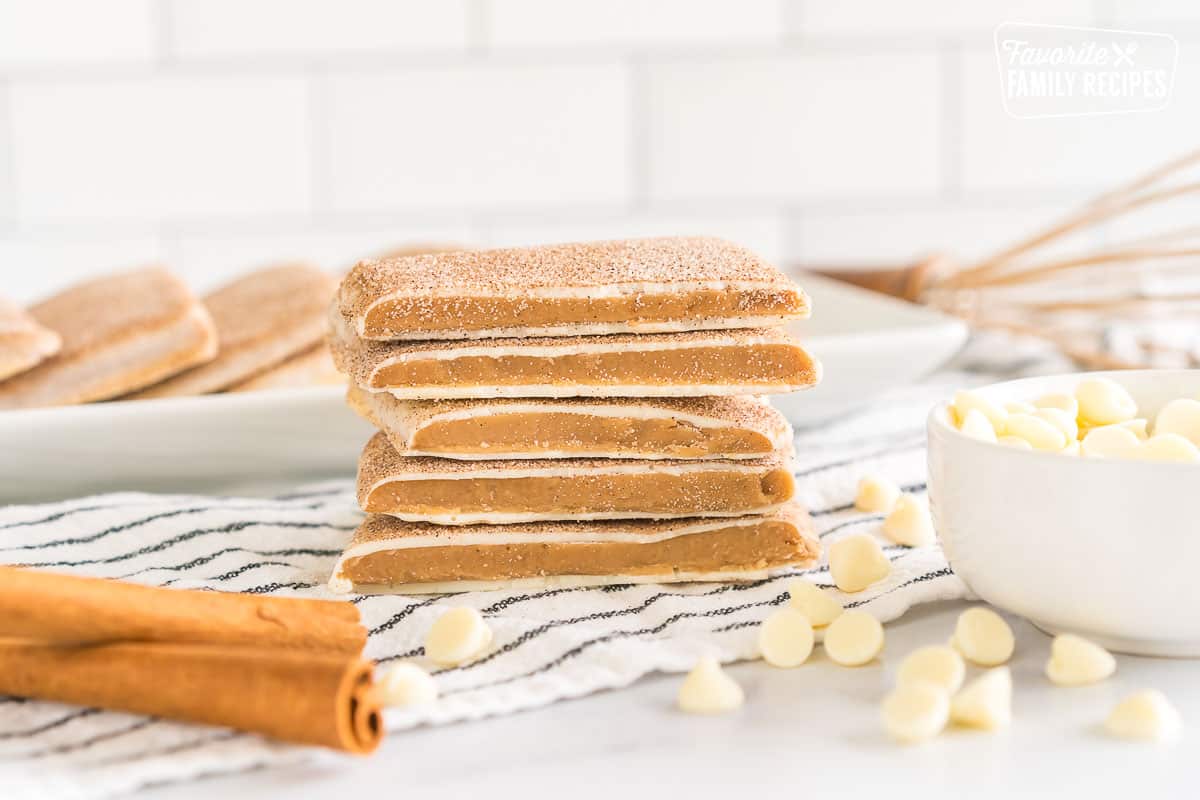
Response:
column 1105, row 548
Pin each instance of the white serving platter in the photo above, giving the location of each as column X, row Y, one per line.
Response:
column 268, row 441
column 867, row 343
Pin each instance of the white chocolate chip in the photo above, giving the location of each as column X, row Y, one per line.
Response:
column 1060, row 419
column 1138, row 426
column 812, row 602
column 785, row 638
column 977, row 426
column 1167, row 447
column 856, row 562
column 406, row 685
column 983, row 637
column 1180, row 416
column 986, row 702
column 1063, row 402
column 1020, row 407
column 708, row 690
column 853, row 639
column 1110, row 441
column 935, row 664
column 909, row 523
column 915, row 712
column 1103, row 402
column 1073, row 448
column 1015, row 442
column 876, row 494
column 965, row 401
column 1074, row 661
column 457, row 636
column 1040, row 434
column 1145, row 716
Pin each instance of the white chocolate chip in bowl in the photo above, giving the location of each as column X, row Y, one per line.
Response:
column 1167, row 447
column 1180, row 416
column 1103, row 401
column 1071, row 543
column 978, row 426
column 1041, row 434
column 966, row 401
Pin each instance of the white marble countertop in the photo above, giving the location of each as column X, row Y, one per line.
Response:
column 804, row 731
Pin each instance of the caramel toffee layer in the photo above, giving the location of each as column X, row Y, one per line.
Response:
column 643, row 285
column 456, row 492
column 703, row 427
column 691, row 364
column 388, row 553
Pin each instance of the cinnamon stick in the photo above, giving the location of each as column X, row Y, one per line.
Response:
column 285, row 667
column 64, row 608
column 309, row 698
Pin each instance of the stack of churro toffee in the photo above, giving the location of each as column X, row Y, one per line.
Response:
column 578, row 414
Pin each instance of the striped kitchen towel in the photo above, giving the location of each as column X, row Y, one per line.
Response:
column 549, row 645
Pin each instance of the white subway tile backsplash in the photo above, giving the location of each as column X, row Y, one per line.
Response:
column 56, row 32
column 34, row 265
column 480, row 137
column 901, row 234
column 630, row 22
column 761, row 233
column 795, row 127
column 209, row 259
column 1003, row 153
column 933, row 18
column 160, row 148
column 211, row 28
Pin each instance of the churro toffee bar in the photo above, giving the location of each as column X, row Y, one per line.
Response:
column 625, row 286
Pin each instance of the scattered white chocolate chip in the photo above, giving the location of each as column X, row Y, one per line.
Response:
column 406, row 684
column 785, row 638
column 935, row 664
column 1015, row 442
column 457, row 636
column 1182, row 417
column 856, row 562
column 986, row 702
column 966, row 401
column 1041, row 434
column 1020, row 407
column 983, row 637
column 1145, row 716
column 1063, row 402
column 977, row 426
column 876, row 494
column 1110, row 441
column 915, row 712
column 910, row 523
column 1167, row 447
column 853, row 639
column 812, row 602
column 1074, row 661
column 1103, row 401
column 708, row 690
column 1060, row 419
